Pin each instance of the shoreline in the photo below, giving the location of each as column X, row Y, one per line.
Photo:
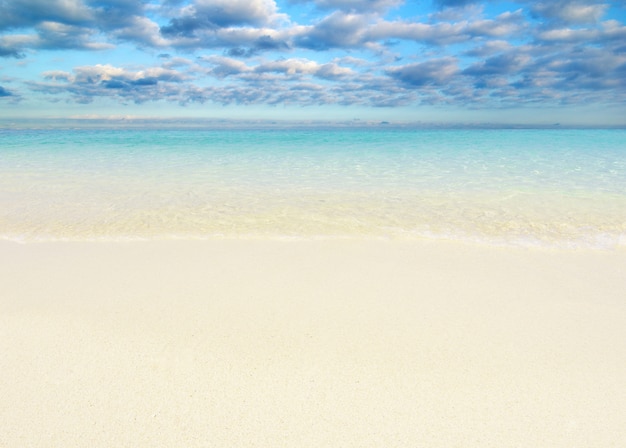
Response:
column 311, row 343
column 599, row 243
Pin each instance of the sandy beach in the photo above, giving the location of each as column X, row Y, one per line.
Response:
column 233, row 343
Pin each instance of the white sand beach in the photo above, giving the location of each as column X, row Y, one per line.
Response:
column 234, row 343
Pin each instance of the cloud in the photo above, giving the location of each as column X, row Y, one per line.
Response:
column 338, row 30
column 607, row 34
column 9, row 96
column 437, row 34
column 75, row 24
column 140, row 30
column 86, row 83
column 27, row 13
column 215, row 14
column 444, row 33
column 4, row 92
column 99, row 73
column 488, row 49
column 234, row 41
column 58, row 75
column 345, row 52
column 588, row 69
column 8, row 51
column 296, row 81
column 358, row 6
column 15, row 45
column 350, row 30
column 291, row 68
column 435, row 72
column 504, row 64
column 50, row 36
column 506, row 24
column 258, row 45
column 568, row 11
column 297, row 67
column 453, row 3
column 223, row 66
column 54, row 35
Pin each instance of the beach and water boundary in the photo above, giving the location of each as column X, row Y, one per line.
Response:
column 551, row 188
column 349, row 336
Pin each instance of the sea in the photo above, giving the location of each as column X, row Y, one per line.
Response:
column 520, row 187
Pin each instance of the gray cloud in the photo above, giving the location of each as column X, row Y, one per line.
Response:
column 338, row 30
column 222, row 67
column 248, row 52
column 489, row 48
column 74, row 24
column 4, row 92
column 349, row 30
column 453, row 3
column 590, row 69
column 608, row 34
column 436, row 34
column 568, row 11
column 503, row 64
column 86, row 83
column 360, row 6
column 263, row 43
column 54, row 35
column 290, row 81
column 295, row 68
column 507, row 24
column 433, row 72
column 26, row 13
column 10, row 51
column 215, row 14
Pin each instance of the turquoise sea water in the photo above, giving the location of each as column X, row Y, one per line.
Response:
column 545, row 187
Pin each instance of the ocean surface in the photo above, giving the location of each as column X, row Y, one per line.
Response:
column 514, row 187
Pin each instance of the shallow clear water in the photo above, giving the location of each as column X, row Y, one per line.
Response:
column 548, row 187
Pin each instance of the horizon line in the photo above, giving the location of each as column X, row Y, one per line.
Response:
column 233, row 123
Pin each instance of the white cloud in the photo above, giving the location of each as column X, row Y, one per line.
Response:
column 570, row 11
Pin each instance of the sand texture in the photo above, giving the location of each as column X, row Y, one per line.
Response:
column 310, row 344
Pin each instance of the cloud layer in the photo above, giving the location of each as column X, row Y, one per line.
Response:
column 381, row 53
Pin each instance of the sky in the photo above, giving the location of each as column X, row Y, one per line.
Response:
column 444, row 61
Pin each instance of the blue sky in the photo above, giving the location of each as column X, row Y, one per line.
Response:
column 524, row 61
